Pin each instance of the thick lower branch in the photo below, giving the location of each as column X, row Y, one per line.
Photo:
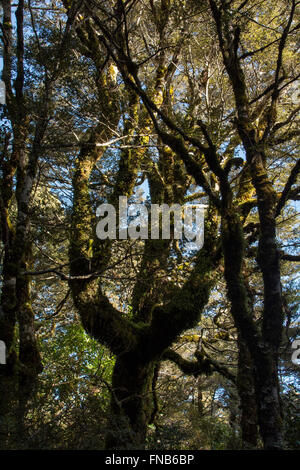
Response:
column 202, row 365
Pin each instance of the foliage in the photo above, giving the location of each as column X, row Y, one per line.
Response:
column 127, row 343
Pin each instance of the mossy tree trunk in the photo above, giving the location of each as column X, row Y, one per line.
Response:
column 160, row 311
column 16, row 323
column 161, row 322
column 132, row 402
column 246, row 391
column 263, row 345
column 19, row 165
column 138, row 344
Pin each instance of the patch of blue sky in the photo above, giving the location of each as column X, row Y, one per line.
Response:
column 239, row 152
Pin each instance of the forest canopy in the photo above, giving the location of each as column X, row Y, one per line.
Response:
column 149, row 342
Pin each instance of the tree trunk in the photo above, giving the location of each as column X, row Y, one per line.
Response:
column 132, row 403
column 8, row 403
column 246, row 390
column 270, row 413
column 259, row 343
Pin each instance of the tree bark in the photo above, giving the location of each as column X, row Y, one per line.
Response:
column 263, row 345
column 246, row 391
column 132, row 403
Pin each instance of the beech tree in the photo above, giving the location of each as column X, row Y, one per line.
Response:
column 25, row 118
column 196, row 100
column 258, row 144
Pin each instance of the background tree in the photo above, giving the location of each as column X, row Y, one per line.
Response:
column 190, row 102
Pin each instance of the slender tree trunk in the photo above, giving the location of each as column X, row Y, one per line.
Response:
column 264, row 346
column 263, row 353
column 270, row 413
column 246, row 390
column 8, row 377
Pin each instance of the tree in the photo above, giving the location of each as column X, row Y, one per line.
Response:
column 191, row 99
column 262, row 343
column 25, row 117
